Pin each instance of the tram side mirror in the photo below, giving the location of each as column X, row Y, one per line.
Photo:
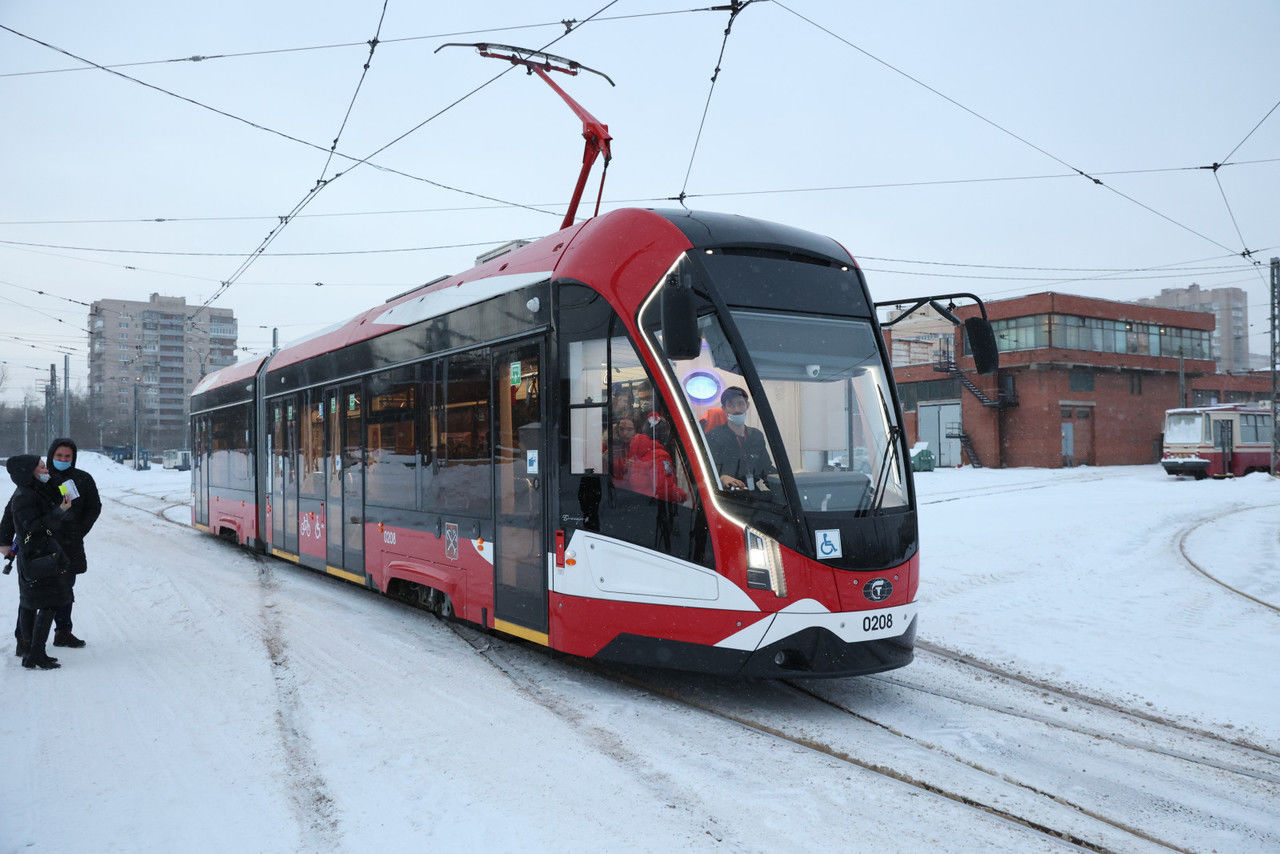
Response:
column 680, row 334
column 982, row 344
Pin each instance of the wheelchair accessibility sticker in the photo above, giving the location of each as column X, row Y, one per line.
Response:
column 828, row 544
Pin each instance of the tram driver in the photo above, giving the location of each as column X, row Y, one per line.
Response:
column 740, row 453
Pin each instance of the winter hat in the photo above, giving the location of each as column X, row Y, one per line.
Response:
column 22, row 468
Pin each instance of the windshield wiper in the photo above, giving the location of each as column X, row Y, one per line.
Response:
column 890, row 454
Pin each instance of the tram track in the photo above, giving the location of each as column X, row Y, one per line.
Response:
column 1092, row 732
column 1002, row 776
column 979, row 782
column 159, row 514
column 1099, row 703
column 846, row 753
column 1000, row 489
column 1186, row 533
column 1118, row 835
column 1090, row 829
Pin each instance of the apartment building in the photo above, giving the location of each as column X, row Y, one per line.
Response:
column 145, row 358
column 1230, row 310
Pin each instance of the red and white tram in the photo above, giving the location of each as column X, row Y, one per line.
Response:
column 532, row 446
column 1227, row 440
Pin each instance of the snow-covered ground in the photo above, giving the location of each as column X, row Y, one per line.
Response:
column 230, row 702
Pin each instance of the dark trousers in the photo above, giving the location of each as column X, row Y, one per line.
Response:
column 62, row 616
column 74, row 549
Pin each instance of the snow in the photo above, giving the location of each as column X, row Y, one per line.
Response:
column 231, row 702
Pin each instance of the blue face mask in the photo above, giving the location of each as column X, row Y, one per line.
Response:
column 62, row 465
column 737, row 420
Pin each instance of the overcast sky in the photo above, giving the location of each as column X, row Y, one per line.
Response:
column 938, row 141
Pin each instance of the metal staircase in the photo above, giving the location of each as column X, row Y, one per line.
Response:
column 1003, row 399
column 955, row 431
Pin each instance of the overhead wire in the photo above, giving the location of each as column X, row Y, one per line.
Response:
column 310, row 195
column 1252, row 132
column 265, row 128
column 454, row 34
column 284, row 221
column 734, row 8
column 373, row 45
column 1246, row 252
column 1091, row 177
column 886, row 185
column 1074, row 173
column 297, row 254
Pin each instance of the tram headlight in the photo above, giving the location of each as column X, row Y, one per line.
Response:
column 764, row 563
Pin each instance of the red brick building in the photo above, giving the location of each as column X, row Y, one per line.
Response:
column 1082, row 381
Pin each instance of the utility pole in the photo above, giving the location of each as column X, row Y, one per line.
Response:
column 50, row 399
column 1182, row 382
column 66, row 396
column 1275, row 362
column 135, row 425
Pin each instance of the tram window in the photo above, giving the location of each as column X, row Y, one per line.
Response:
column 391, row 439
column 1255, row 428
column 588, row 371
column 429, row 396
column 229, row 440
column 588, row 406
column 626, row 475
column 464, row 472
column 311, row 464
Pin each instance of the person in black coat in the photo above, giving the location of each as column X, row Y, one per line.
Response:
column 35, row 508
column 85, row 510
column 740, row 452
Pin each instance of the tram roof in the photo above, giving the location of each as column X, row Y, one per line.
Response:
column 245, row 369
column 535, row 261
column 1240, row 406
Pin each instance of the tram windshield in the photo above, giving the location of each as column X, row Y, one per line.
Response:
column 826, row 390
column 1184, row 428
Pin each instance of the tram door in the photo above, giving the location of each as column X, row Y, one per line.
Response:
column 520, row 566
column 344, row 491
column 282, row 416
column 352, row 480
column 1224, row 442
column 199, row 470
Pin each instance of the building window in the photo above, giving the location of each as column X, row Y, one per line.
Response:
column 1080, row 380
column 1135, row 383
column 1022, row 333
column 910, row 394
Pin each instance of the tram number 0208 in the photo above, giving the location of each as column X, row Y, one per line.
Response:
column 876, row 622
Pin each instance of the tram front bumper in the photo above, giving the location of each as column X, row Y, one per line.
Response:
column 786, row 645
column 845, row 644
column 1194, row 466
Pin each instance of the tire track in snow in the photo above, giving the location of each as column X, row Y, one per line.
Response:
column 313, row 807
